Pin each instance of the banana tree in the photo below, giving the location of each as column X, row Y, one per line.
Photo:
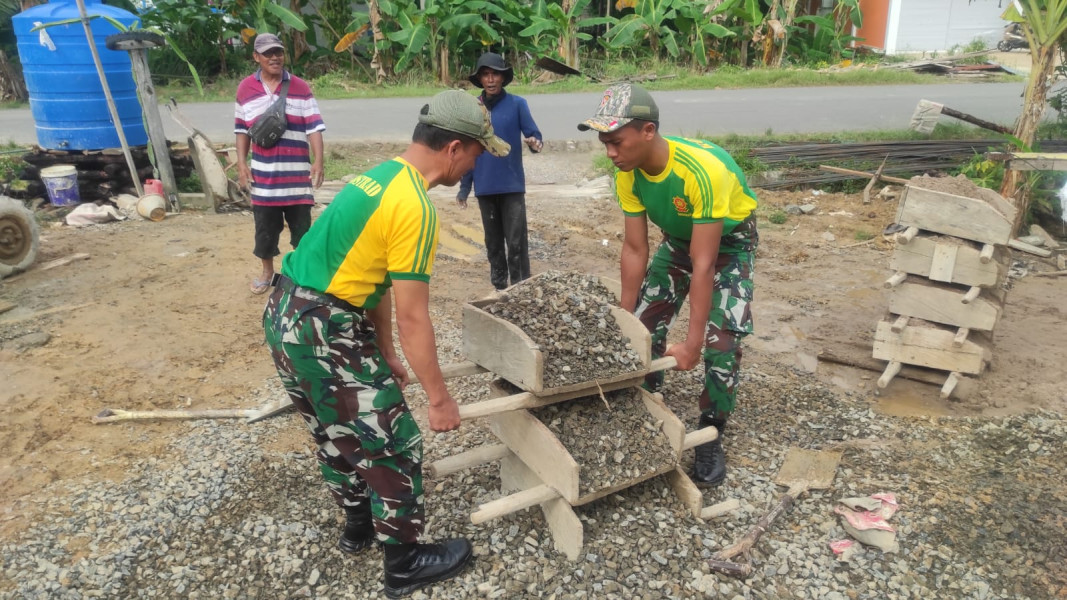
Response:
column 260, row 10
column 697, row 22
column 651, row 20
column 550, row 21
column 1044, row 23
column 439, row 24
column 747, row 18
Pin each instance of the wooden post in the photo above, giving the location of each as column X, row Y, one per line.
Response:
column 156, row 136
column 986, row 254
column 971, row 294
column 907, row 235
column 961, row 337
column 897, row 279
column 890, row 372
column 950, row 385
column 874, row 180
column 899, row 324
column 110, row 99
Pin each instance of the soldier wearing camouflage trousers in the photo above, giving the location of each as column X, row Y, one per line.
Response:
column 698, row 196
column 329, row 327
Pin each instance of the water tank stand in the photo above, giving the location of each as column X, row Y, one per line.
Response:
column 136, row 43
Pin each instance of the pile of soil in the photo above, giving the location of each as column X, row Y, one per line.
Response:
column 612, row 444
column 568, row 315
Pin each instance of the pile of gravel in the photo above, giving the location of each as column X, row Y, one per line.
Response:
column 230, row 511
column 568, row 315
column 614, row 440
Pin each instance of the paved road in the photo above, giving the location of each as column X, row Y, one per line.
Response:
column 709, row 112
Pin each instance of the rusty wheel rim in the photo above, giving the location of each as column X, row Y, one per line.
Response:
column 14, row 240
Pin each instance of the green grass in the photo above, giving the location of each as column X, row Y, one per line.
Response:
column 778, row 217
column 341, row 84
column 863, row 236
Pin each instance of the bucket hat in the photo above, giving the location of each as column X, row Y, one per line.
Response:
column 495, row 62
column 621, row 104
column 459, row 112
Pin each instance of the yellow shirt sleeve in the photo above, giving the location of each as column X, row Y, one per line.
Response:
column 412, row 237
column 624, row 185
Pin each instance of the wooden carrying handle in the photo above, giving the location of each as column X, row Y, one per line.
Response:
column 513, row 503
column 700, row 436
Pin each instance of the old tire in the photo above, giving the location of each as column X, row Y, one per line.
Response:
column 134, row 40
column 1004, row 46
column 19, row 237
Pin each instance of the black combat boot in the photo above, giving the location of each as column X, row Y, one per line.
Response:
column 409, row 567
column 359, row 528
column 709, row 464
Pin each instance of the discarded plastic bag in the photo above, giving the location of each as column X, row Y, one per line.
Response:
column 92, row 214
column 864, row 519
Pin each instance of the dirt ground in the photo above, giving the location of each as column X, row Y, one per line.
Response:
column 160, row 317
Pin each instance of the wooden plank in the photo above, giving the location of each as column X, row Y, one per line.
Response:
column 942, row 304
column 603, row 492
column 502, row 348
column 673, row 428
column 968, row 267
column 466, row 460
column 529, row 400
column 1037, row 161
column 566, row 528
column 863, row 174
column 854, row 358
column 506, row 350
column 1042, row 252
column 687, row 492
column 943, row 262
column 513, row 503
column 928, row 347
column 532, row 442
column 967, row 218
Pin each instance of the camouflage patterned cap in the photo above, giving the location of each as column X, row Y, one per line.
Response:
column 622, row 103
column 459, row 112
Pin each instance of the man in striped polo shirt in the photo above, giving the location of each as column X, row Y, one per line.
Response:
column 329, row 327
column 281, row 176
column 697, row 195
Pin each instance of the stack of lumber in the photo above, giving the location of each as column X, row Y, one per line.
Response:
column 101, row 173
column 946, row 293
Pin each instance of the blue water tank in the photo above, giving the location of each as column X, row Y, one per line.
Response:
column 66, row 96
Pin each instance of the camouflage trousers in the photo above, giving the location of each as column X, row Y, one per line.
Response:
column 664, row 290
column 369, row 445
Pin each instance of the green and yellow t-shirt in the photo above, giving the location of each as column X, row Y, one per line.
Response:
column 379, row 228
column 701, row 184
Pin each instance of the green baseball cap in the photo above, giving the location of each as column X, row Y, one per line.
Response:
column 622, row 103
column 459, row 112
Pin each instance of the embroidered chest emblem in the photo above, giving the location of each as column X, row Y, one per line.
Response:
column 681, row 206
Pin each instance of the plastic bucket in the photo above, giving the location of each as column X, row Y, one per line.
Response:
column 152, row 207
column 153, row 186
column 61, row 181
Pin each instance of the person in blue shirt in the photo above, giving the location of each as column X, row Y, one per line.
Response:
column 500, row 183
